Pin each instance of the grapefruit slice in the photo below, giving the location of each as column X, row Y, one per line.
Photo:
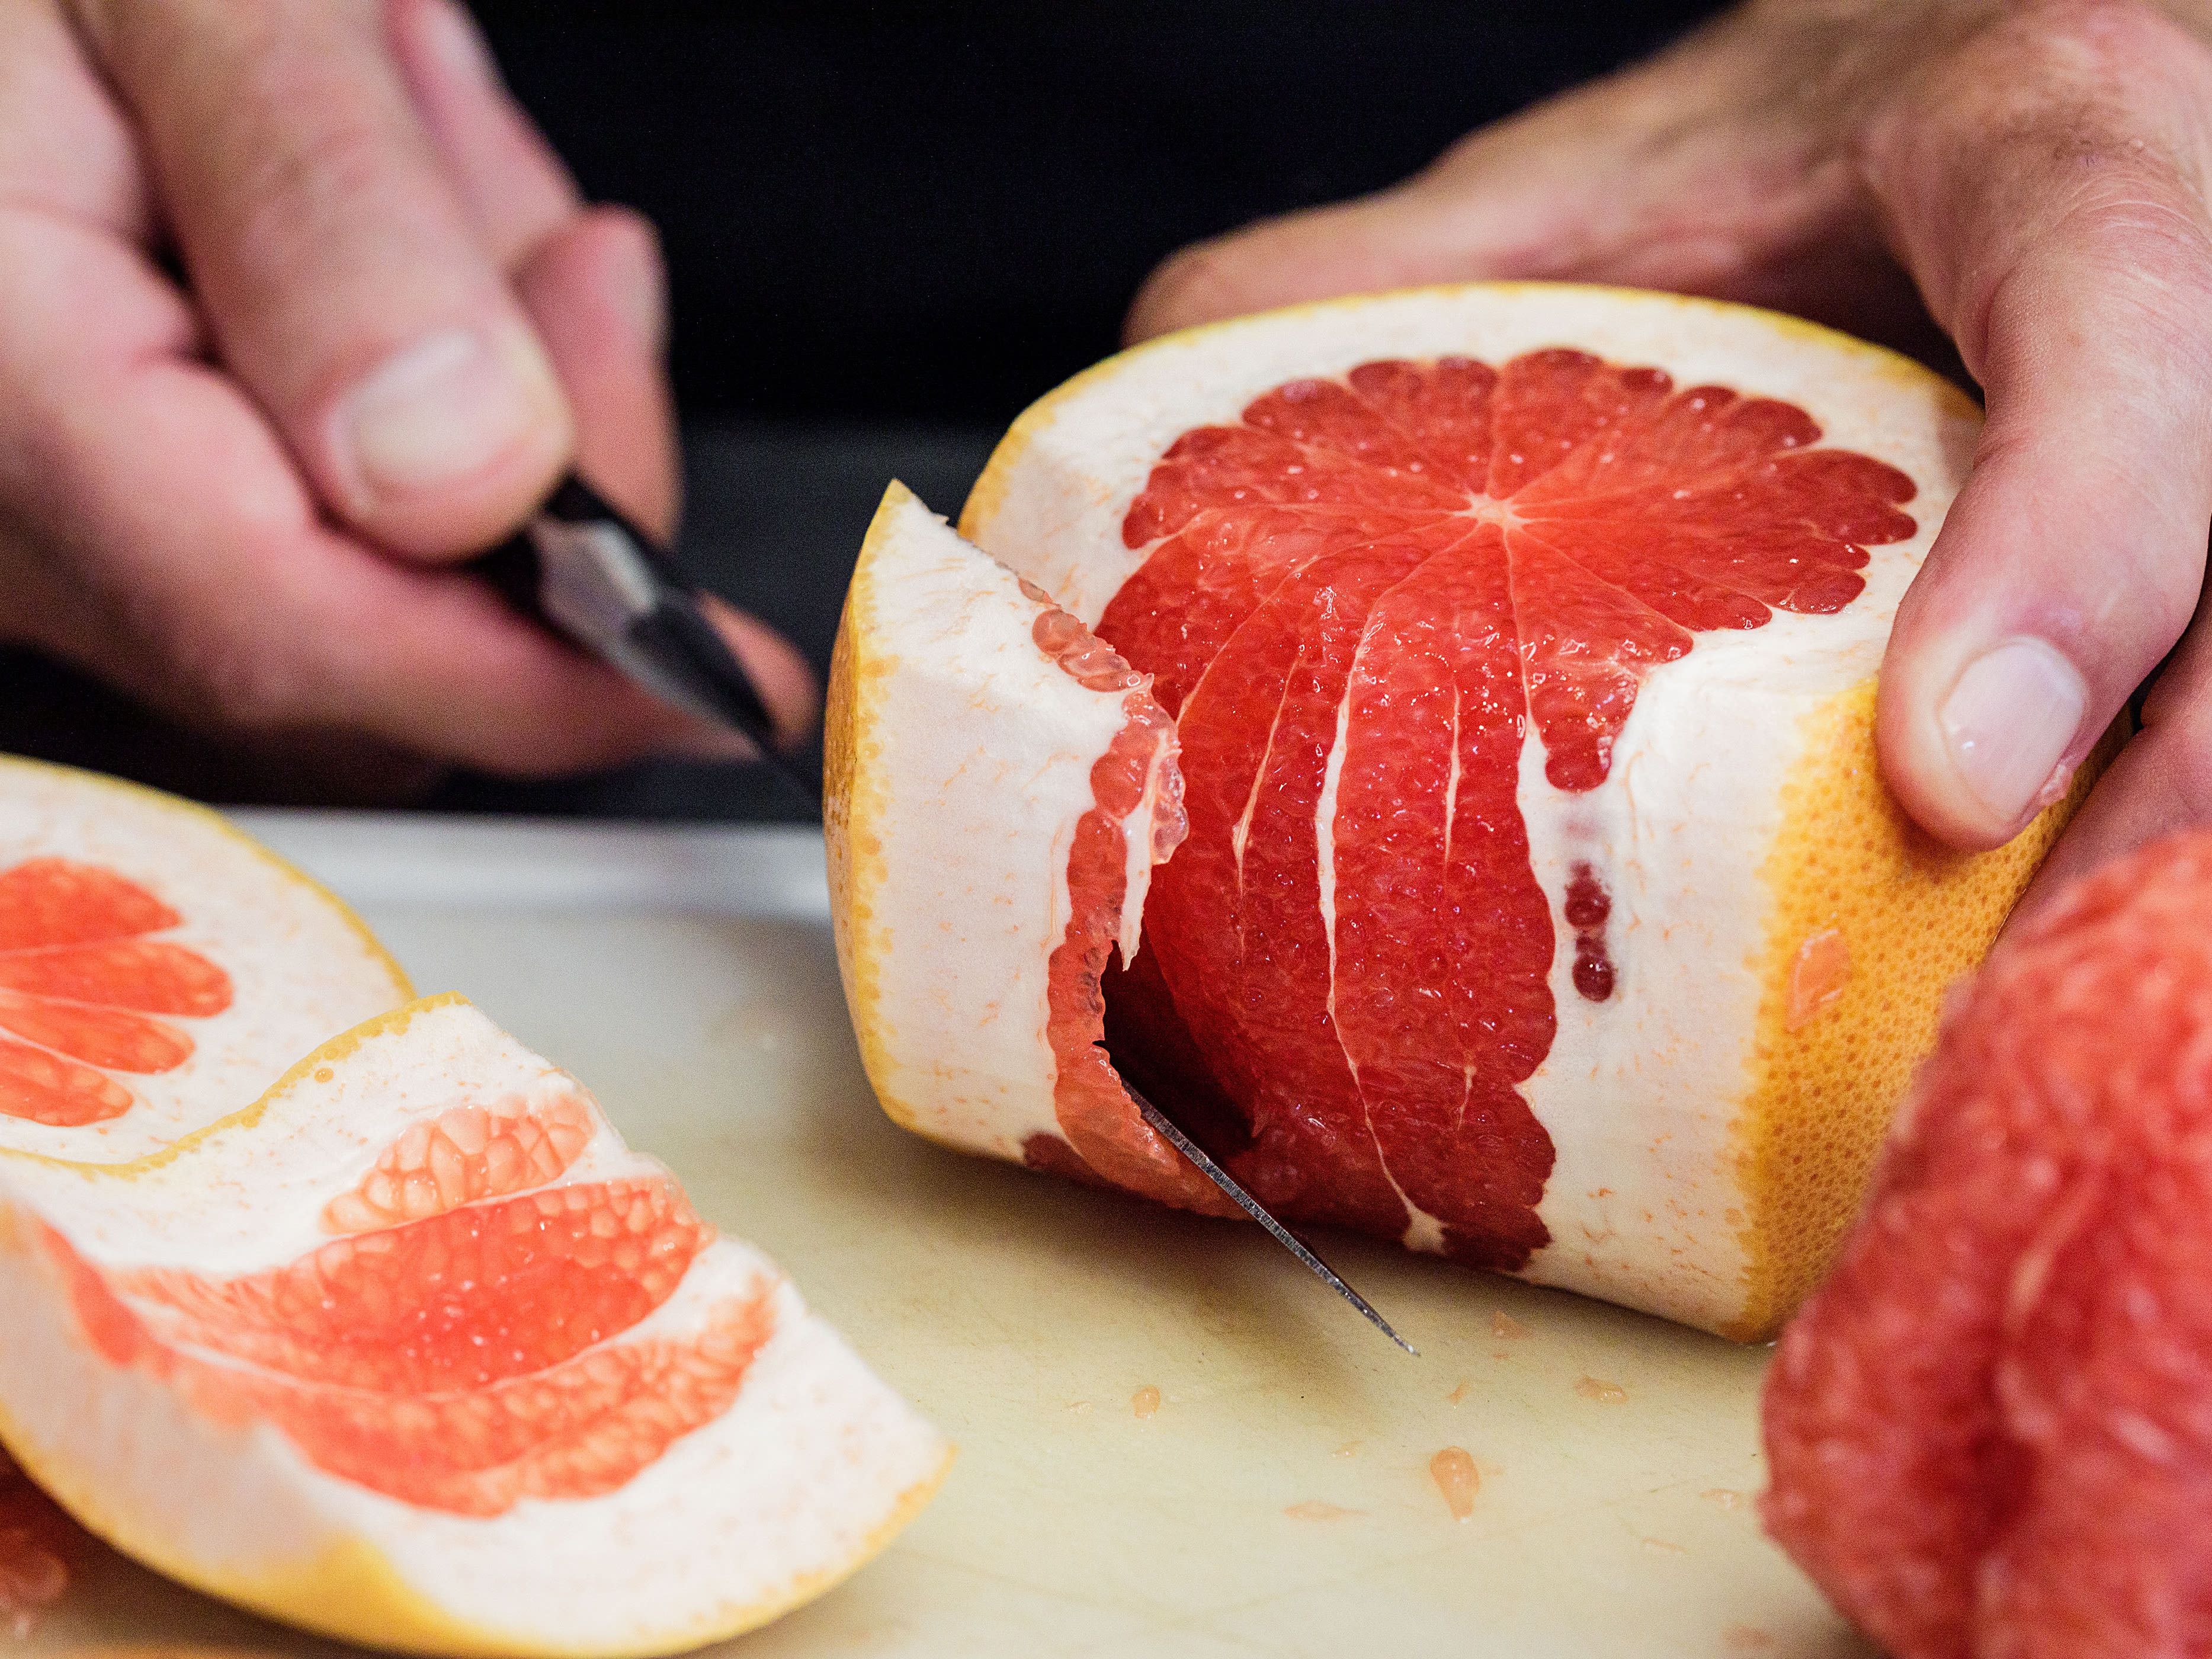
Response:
column 414, row 1352
column 1990, row 1431
column 1541, row 904
column 158, row 970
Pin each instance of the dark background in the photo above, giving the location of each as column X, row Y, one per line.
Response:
column 890, row 226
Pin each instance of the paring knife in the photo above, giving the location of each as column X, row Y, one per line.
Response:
column 586, row 571
column 1165, row 1126
column 596, row 578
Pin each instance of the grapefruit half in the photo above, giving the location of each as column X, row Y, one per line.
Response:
column 1539, row 901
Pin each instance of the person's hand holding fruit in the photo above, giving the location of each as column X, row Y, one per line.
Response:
column 2030, row 177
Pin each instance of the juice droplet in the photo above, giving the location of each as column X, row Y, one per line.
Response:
column 1605, row 1394
column 1454, row 1472
column 1316, row 1510
column 1588, row 905
column 1146, row 1400
column 1505, row 1328
column 1817, row 977
column 1459, row 1393
column 1587, row 908
column 1726, row 1498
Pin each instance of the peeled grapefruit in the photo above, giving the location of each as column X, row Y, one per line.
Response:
column 1510, row 651
column 1990, row 1431
column 410, row 1349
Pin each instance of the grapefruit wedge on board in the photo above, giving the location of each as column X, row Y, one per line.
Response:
column 398, row 1342
column 158, row 970
column 1430, row 737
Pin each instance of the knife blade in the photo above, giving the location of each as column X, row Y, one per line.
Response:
column 1283, row 1235
column 580, row 567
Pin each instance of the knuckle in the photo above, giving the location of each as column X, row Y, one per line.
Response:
column 221, row 679
column 289, row 191
column 1196, row 284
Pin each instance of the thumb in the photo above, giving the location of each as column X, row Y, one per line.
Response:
column 343, row 280
column 2072, row 262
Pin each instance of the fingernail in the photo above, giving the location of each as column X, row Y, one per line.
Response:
column 2009, row 718
column 445, row 408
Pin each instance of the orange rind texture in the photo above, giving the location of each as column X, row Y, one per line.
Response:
column 1887, row 919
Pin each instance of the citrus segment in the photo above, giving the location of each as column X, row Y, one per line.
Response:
column 467, row 1153
column 551, row 1413
column 150, row 976
column 526, row 1425
column 78, row 981
column 40, row 1086
column 1987, row 1430
column 48, row 902
column 458, row 1300
column 112, row 1038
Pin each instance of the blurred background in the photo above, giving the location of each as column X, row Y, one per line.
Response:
column 889, row 228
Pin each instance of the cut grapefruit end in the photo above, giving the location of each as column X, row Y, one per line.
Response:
column 1519, row 640
column 973, row 935
column 157, row 968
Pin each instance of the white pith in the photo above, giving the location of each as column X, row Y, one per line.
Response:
column 791, row 1484
column 987, row 744
column 1641, row 1093
column 300, row 967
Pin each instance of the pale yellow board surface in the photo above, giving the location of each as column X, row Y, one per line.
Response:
column 688, row 978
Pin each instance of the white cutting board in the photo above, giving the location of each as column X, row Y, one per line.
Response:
column 1279, row 1501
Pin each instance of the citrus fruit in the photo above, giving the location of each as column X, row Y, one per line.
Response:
column 1990, row 1431
column 158, row 970
column 413, row 1351
column 397, row 1341
column 1539, row 901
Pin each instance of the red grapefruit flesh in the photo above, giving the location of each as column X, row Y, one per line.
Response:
column 78, row 984
column 381, row 1375
column 1990, row 1431
column 467, row 1153
column 1358, row 602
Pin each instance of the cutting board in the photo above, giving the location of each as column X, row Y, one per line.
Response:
column 1275, row 1500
